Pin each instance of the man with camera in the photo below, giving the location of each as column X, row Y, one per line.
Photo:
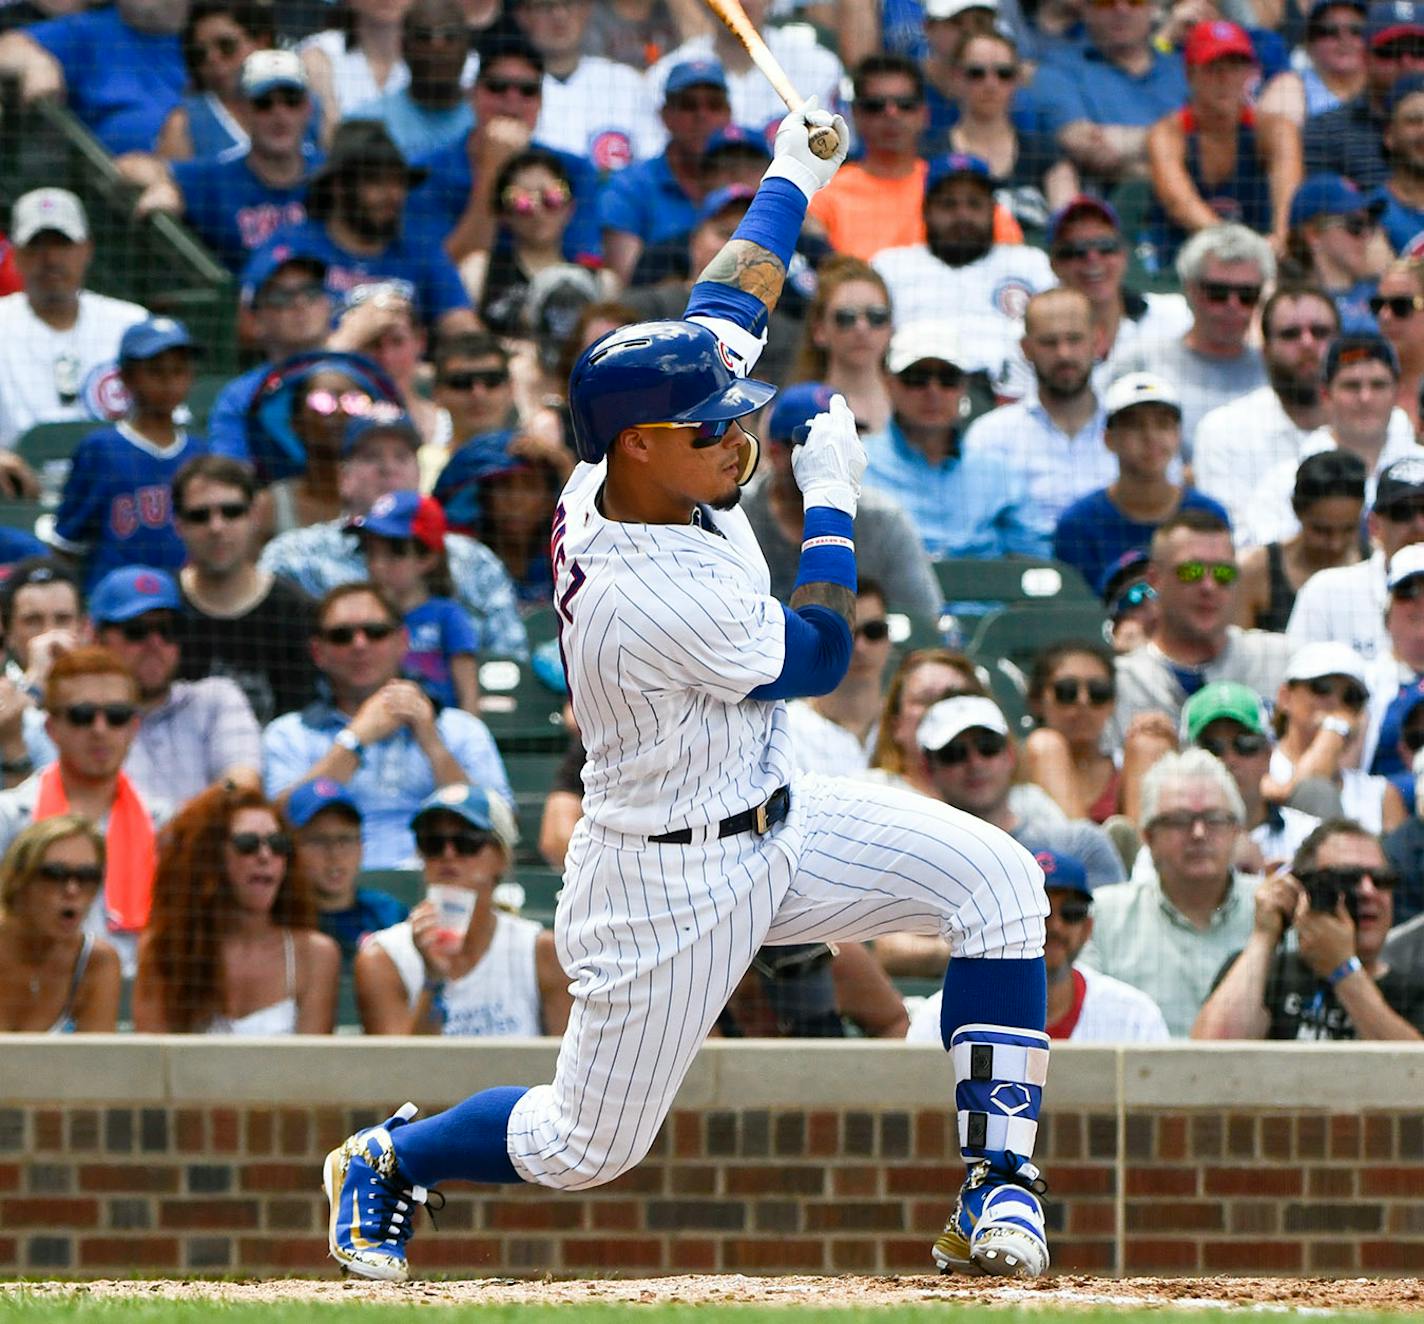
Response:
column 1332, row 983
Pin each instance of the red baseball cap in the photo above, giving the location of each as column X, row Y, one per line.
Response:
column 1213, row 41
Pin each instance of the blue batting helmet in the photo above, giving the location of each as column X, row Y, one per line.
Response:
column 655, row 372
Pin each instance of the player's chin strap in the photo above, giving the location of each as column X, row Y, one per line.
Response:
column 750, row 456
column 999, row 1073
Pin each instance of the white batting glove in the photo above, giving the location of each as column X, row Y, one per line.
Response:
column 792, row 157
column 830, row 463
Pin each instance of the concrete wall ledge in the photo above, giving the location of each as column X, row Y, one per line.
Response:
column 355, row 1072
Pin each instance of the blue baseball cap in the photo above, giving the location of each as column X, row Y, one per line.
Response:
column 480, row 809
column 267, row 262
column 382, row 417
column 694, row 73
column 1324, row 194
column 404, row 515
column 311, row 798
column 736, row 137
column 958, row 165
column 796, row 405
column 149, row 339
column 1129, row 566
column 130, row 591
column 1065, row 871
column 1387, row 19
column 717, row 202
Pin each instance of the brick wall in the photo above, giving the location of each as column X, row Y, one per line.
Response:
column 739, row 1180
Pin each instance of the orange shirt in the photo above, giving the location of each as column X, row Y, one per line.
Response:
column 863, row 213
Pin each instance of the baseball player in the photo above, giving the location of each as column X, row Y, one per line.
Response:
column 698, row 845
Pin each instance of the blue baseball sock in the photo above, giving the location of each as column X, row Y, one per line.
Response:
column 464, row 1143
column 983, row 990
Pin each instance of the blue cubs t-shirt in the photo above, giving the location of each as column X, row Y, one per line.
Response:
column 121, row 82
column 373, row 911
column 232, row 211
column 117, row 507
column 439, row 629
column 416, row 255
column 1093, row 533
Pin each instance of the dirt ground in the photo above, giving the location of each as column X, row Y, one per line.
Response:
column 1402, row 1294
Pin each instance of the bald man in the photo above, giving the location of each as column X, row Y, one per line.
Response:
column 1054, row 435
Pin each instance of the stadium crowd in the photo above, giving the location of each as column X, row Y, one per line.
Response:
column 1127, row 298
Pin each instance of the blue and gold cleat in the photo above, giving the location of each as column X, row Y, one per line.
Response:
column 997, row 1225
column 371, row 1204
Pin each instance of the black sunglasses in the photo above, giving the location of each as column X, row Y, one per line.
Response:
column 229, row 510
column 1353, row 695
column 61, row 875
column 877, row 105
column 1345, row 879
column 1318, row 331
column 1070, row 690
column 1081, row 248
column 136, row 631
column 342, row 635
column 85, row 714
column 1408, row 589
column 249, row 843
column 290, row 98
column 873, row 632
column 1399, row 511
column 1397, row 50
column 432, row 845
column 947, row 376
column 987, row 744
column 876, row 315
column 499, row 86
column 977, row 73
column 1221, row 291
column 1401, row 306
column 1335, row 30
column 1074, row 912
column 1245, row 743
column 489, row 378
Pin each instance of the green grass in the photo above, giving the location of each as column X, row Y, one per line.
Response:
column 50, row 1310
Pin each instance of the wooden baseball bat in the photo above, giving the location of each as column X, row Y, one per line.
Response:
column 824, row 139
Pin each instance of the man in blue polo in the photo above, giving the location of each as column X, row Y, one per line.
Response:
column 1100, row 99
column 235, row 201
column 656, row 200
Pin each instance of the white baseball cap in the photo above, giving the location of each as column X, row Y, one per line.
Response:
column 1326, row 659
column 953, row 8
column 48, row 209
column 264, row 70
column 953, row 717
column 1405, row 564
column 922, row 340
column 1141, row 388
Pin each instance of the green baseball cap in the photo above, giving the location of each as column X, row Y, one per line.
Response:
column 1222, row 698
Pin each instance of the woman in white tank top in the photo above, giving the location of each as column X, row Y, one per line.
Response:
column 231, row 945
column 498, row 975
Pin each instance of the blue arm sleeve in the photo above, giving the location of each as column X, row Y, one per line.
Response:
column 818, row 646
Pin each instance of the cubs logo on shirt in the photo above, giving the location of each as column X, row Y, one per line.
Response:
column 1011, row 295
column 610, row 149
column 103, row 393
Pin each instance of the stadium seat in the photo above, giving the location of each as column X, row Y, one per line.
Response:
column 20, row 515
column 541, row 892
column 968, row 582
column 406, row 885
column 1019, row 632
column 523, row 714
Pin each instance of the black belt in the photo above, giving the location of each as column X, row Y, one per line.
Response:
column 759, row 820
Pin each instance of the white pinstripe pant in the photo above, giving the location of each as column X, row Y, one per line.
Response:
column 656, row 937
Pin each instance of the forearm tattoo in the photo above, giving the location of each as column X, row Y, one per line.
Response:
column 834, row 597
column 747, row 266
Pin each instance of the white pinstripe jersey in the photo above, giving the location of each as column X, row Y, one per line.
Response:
column 665, row 629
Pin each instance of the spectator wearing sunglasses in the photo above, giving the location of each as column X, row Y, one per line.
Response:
column 1361, row 381
column 1332, row 983
column 92, row 715
column 1399, row 200
column 970, row 761
column 55, row 976
column 237, row 620
column 1349, row 140
column 232, row 946
column 1193, row 570
column 1397, row 304
column 1238, row 444
column 1130, row 600
column 1223, row 270
column 235, row 201
column 460, row 965
column 1084, row 1005
column 1071, row 694
column 1167, row 934
column 1321, row 722
column 1143, row 430
column 376, row 733
column 961, row 501
column 1334, row 243
column 1332, row 70
column 116, row 508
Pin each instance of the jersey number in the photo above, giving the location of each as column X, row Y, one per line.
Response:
column 576, row 582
